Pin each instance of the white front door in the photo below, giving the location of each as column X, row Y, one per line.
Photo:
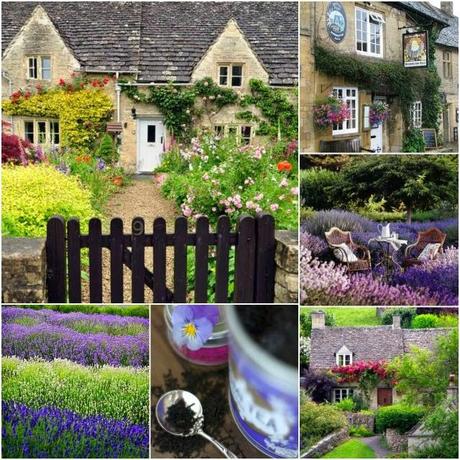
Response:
column 377, row 139
column 150, row 144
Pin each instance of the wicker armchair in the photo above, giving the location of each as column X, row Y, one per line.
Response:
column 413, row 251
column 336, row 238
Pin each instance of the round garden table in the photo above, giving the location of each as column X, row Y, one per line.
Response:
column 388, row 261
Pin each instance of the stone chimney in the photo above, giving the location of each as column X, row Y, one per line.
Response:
column 396, row 322
column 452, row 391
column 448, row 7
column 318, row 320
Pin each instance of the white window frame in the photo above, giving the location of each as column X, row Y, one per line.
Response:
column 377, row 18
column 339, row 129
column 49, row 132
column 39, row 67
column 229, row 68
column 344, row 393
column 237, row 128
column 416, row 114
column 344, row 353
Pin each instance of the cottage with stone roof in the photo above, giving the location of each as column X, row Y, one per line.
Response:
column 341, row 346
column 148, row 43
column 344, row 45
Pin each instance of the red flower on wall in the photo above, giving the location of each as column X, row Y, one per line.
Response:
column 353, row 372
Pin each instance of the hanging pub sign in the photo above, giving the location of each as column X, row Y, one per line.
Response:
column 415, row 49
column 336, row 21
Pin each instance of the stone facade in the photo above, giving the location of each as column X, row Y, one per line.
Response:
column 287, row 264
column 327, row 444
column 23, row 270
column 396, row 442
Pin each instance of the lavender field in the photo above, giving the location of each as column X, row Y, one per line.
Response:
column 325, row 281
column 75, row 384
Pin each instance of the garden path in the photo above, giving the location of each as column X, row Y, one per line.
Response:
column 140, row 199
column 374, row 442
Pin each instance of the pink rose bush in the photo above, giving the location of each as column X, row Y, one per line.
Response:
column 215, row 177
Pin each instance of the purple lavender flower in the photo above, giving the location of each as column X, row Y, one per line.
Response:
column 193, row 325
column 100, row 165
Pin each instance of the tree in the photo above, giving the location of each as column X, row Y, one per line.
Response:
column 318, row 386
column 418, row 181
column 422, row 375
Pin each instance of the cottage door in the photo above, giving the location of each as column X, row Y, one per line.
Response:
column 377, row 132
column 150, row 144
column 384, row 396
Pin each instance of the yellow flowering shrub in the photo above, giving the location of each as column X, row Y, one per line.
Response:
column 32, row 194
column 81, row 113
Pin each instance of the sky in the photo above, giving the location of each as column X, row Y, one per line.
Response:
column 456, row 6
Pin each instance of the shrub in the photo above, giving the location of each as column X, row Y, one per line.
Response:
column 447, row 321
column 107, row 151
column 360, row 431
column 114, row 392
column 424, row 321
column 316, row 187
column 323, row 221
column 319, row 420
column 346, row 404
column 318, row 386
column 413, row 141
column 398, row 416
column 406, row 316
column 120, row 310
column 33, row 194
column 18, row 151
column 315, row 244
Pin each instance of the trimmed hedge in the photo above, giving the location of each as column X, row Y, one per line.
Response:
column 398, row 416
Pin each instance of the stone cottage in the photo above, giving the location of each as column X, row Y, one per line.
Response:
column 370, row 33
column 341, row 346
column 148, row 43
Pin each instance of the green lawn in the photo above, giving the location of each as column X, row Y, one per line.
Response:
column 354, row 448
column 351, row 316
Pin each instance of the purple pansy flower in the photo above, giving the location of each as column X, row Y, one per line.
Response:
column 193, row 325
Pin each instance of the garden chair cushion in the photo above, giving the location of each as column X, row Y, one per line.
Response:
column 429, row 251
column 348, row 256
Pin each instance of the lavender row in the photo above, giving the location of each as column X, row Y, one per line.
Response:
column 81, row 322
column 49, row 432
column 49, row 341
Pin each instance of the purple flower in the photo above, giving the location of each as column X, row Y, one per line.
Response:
column 193, row 325
column 100, row 165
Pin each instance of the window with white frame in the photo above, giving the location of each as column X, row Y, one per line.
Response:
column 39, row 67
column 416, row 112
column 42, row 131
column 342, row 393
column 231, row 75
column 350, row 97
column 242, row 133
column 344, row 357
column 369, row 32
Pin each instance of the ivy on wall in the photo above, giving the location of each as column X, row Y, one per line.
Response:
column 390, row 78
column 182, row 106
column 82, row 110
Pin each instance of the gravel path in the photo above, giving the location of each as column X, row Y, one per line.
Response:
column 140, row 199
column 375, row 444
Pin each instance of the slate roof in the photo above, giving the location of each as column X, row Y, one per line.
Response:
column 449, row 35
column 425, row 9
column 367, row 343
column 163, row 41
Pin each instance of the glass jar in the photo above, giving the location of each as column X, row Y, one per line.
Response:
column 214, row 351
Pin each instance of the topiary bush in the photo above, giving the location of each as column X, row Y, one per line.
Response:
column 398, row 416
column 107, row 150
column 33, row 194
column 316, row 185
column 424, row 321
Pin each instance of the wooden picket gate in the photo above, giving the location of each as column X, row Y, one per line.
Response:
column 254, row 242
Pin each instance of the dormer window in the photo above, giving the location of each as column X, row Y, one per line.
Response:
column 344, row 357
column 231, row 75
column 39, row 68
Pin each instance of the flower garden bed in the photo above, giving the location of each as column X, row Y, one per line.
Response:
column 324, row 281
column 74, row 384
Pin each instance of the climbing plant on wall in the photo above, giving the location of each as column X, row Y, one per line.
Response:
column 183, row 105
column 82, row 107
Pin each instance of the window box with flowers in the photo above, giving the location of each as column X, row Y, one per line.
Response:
column 329, row 112
column 378, row 113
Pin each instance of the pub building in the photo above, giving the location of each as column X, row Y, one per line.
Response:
column 370, row 115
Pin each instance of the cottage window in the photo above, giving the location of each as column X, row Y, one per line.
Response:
column 245, row 135
column 231, row 75
column 369, row 31
column 350, row 97
column 219, row 130
column 416, row 112
column 342, row 393
column 39, row 68
column 447, row 64
column 42, row 131
column 344, row 357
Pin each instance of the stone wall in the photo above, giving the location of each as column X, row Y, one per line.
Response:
column 23, row 270
column 327, row 444
column 287, row 264
column 357, row 419
column 396, row 442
